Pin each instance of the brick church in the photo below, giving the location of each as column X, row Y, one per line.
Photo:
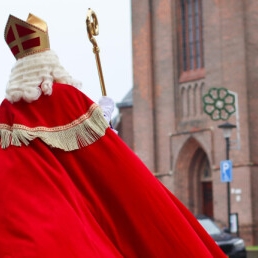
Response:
column 182, row 49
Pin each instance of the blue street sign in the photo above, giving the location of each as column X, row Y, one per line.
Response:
column 226, row 171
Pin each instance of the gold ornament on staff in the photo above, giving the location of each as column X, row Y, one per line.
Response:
column 93, row 30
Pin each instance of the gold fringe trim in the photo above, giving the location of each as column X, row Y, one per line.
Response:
column 82, row 132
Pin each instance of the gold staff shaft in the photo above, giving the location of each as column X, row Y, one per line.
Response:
column 101, row 79
column 93, row 30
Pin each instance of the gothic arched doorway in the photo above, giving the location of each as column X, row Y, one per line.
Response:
column 193, row 180
column 201, row 195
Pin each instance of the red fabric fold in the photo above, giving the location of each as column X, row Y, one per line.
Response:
column 97, row 201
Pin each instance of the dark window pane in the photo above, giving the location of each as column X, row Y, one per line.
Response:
column 190, row 35
column 197, row 34
column 184, row 40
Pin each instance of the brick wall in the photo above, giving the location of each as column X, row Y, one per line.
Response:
column 160, row 108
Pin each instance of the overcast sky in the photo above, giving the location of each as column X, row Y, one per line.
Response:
column 68, row 38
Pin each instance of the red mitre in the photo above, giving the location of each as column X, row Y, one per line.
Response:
column 26, row 38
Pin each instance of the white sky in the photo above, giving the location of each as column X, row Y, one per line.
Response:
column 68, row 38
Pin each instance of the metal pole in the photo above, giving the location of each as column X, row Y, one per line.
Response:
column 228, row 184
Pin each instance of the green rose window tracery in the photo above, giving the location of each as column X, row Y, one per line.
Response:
column 219, row 103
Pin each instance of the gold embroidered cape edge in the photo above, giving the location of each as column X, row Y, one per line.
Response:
column 82, row 132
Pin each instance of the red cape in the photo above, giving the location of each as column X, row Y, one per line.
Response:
column 68, row 194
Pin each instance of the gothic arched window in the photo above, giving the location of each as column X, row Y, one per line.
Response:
column 191, row 65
